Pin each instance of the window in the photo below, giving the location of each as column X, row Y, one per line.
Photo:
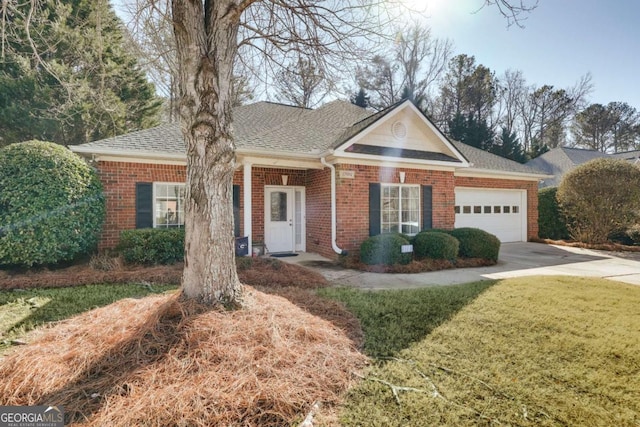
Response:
column 400, row 206
column 168, row 203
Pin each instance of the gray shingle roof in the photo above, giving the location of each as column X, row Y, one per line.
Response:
column 561, row 160
column 481, row 159
column 276, row 128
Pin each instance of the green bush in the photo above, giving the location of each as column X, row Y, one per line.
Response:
column 51, row 204
column 599, row 198
column 435, row 245
column 152, row 245
column 551, row 221
column 633, row 233
column 384, row 249
column 476, row 243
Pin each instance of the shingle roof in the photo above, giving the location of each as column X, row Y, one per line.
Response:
column 561, row 160
column 277, row 128
column 481, row 159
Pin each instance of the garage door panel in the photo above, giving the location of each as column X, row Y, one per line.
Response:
column 500, row 212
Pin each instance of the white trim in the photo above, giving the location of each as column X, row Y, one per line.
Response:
column 303, row 207
column 524, row 208
column 340, row 150
column 154, row 198
column 400, row 222
column 350, row 157
column 497, row 174
column 247, row 187
column 390, row 164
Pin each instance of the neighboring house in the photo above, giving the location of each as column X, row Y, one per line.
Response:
column 323, row 180
column 559, row 161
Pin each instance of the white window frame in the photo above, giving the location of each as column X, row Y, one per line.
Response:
column 400, row 187
column 180, row 203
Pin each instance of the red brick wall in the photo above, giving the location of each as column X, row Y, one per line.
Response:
column 119, row 181
column 318, row 194
column 532, row 195
column 353, row 199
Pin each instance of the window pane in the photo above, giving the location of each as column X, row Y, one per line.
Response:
column 278, row 206
column 457, row 209
column 169, row 205
column 487, row 209
column 496, row 209
column 506, row 209
column 477, row 209
column 516, row 209
column 466, row 209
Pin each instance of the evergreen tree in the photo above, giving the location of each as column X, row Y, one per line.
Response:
column 361, row 99
column 80, row 83
column 509, row 146
column 471, row 131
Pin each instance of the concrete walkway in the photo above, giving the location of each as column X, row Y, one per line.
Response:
column 516, row 260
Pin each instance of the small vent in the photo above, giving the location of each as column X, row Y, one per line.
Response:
column 399, row 130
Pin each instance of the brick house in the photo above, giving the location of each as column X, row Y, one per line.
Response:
column 323, row 180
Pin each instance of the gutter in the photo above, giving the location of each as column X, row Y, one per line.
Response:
column 334, row 246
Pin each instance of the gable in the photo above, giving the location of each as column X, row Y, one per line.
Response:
column 402, row 133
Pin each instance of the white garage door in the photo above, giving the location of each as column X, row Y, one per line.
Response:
column 500, row 212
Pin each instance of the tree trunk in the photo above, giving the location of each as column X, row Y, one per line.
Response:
column 206, row 34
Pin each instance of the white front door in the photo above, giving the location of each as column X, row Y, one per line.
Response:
column 284, row 219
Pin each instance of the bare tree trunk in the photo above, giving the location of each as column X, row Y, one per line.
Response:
column 207, row 47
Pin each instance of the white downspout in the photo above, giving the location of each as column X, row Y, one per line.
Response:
column 248, row 209
column 334, row 246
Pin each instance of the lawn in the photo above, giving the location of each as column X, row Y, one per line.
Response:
column 536, row 351
column 24, row 310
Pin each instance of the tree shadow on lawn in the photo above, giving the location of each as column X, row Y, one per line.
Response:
column 102, row 365
column 393, row 320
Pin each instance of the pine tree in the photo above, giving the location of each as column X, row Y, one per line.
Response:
column 85, row 83
column 361, row 99
column 509, row 146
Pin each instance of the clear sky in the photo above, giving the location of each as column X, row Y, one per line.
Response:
column 562, row 41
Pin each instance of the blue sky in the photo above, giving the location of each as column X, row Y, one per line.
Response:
column 562, row 40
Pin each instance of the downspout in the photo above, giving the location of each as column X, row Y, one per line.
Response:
column 334, row 246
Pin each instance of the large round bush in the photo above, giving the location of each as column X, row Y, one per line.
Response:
column 551, row 221
column 384, row 249
column 51, row 204
column 435, row 245
column 476, row 243
column 599, row 198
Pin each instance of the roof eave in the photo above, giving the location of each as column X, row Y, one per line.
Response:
column 479, row 172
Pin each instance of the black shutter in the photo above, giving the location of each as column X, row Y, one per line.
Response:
column 374, row 209
column 427, row 207
column 144, row 205
column 236, row 210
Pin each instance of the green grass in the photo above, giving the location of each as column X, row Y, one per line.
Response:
column 392, row 320
column 23, row 311
column 536, row 351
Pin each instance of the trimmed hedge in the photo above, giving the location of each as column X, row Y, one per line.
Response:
column 384, row 249
column 476, row 243
column 435, row 245
column 552, row 223
column 51, row 204
column 152, row 245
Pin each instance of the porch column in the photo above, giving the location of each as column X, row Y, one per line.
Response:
column 248, row 208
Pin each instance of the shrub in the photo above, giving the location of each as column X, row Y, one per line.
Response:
column 633, row 233
column 600, row 197
column 435, row 245
column 551, row 221
column 51, row 204
column 476, row 243
column 384, row 249
column 152, row 245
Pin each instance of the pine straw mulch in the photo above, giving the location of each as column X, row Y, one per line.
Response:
column 418, row 266
column 161, row 361
column 610, row 247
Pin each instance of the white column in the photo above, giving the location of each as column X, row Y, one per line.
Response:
column 248, row 190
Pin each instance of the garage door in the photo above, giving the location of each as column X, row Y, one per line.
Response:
column 500, row 212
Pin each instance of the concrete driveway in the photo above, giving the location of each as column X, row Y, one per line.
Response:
column 516, row 260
